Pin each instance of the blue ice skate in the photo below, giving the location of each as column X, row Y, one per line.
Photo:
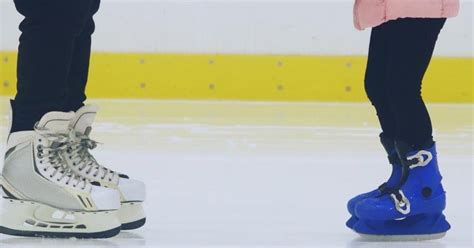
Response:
column 412, row 210
column 389, row 146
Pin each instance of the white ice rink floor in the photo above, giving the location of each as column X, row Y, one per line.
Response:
column 230, row 174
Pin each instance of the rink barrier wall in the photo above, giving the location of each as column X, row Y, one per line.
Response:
column 248, row 77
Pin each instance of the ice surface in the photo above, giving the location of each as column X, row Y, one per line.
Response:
column 233, row 174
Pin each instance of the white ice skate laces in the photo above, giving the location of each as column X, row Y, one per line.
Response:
column 78, row 153
column 420, row 159
column 50, row 158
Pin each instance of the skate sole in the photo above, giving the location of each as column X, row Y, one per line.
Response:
column 96, row 235
column 413, row 228
column 393, row 238
column 131, row 215
column 134, row 225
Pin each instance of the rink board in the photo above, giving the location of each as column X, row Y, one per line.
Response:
column 248, row 77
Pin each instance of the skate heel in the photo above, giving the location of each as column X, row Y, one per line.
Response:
column 132, row 215
column 32, row 219
column 7, row 191
column 417, row 227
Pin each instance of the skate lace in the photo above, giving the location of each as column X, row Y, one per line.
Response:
column 51, row 156
column 79, row 153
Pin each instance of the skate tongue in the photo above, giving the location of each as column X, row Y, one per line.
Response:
column 82, row 121
column 56, row 121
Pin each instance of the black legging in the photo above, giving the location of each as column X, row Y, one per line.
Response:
column 53, row 58
column 399, row 54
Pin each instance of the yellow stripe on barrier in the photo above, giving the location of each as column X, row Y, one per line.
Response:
column 248, row 77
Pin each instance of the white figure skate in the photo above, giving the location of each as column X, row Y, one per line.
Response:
column 43, row 197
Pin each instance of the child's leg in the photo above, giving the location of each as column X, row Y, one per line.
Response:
column 79, row 72
column 412, row 42
column 376, row 79
column 44, row 57
column 413, row 208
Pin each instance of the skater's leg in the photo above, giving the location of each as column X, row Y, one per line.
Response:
column 376, row 87
column 415, row 205
column 376, row 79
column 412, row 42
column 49, row 30
column 79, row 70
column 41, row 196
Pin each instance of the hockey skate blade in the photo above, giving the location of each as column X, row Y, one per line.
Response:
column 132, row 215
column 32, row 219
column 407, row 238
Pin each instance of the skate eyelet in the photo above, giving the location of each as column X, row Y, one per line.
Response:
column 402, row 204
column 421, row 159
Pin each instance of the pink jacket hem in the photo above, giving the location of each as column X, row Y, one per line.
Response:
column 371, row 13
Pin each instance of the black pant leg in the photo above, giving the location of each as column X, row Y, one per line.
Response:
column 79, row 71
column 46, row 48
column 376, row 79
column 411, row 43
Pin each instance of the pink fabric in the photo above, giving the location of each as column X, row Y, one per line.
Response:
column 371, row 13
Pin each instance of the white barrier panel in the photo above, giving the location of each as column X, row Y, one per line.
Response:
column 242, row 27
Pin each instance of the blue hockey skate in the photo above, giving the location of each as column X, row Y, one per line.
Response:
column 389, row 146
column 413, row 209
